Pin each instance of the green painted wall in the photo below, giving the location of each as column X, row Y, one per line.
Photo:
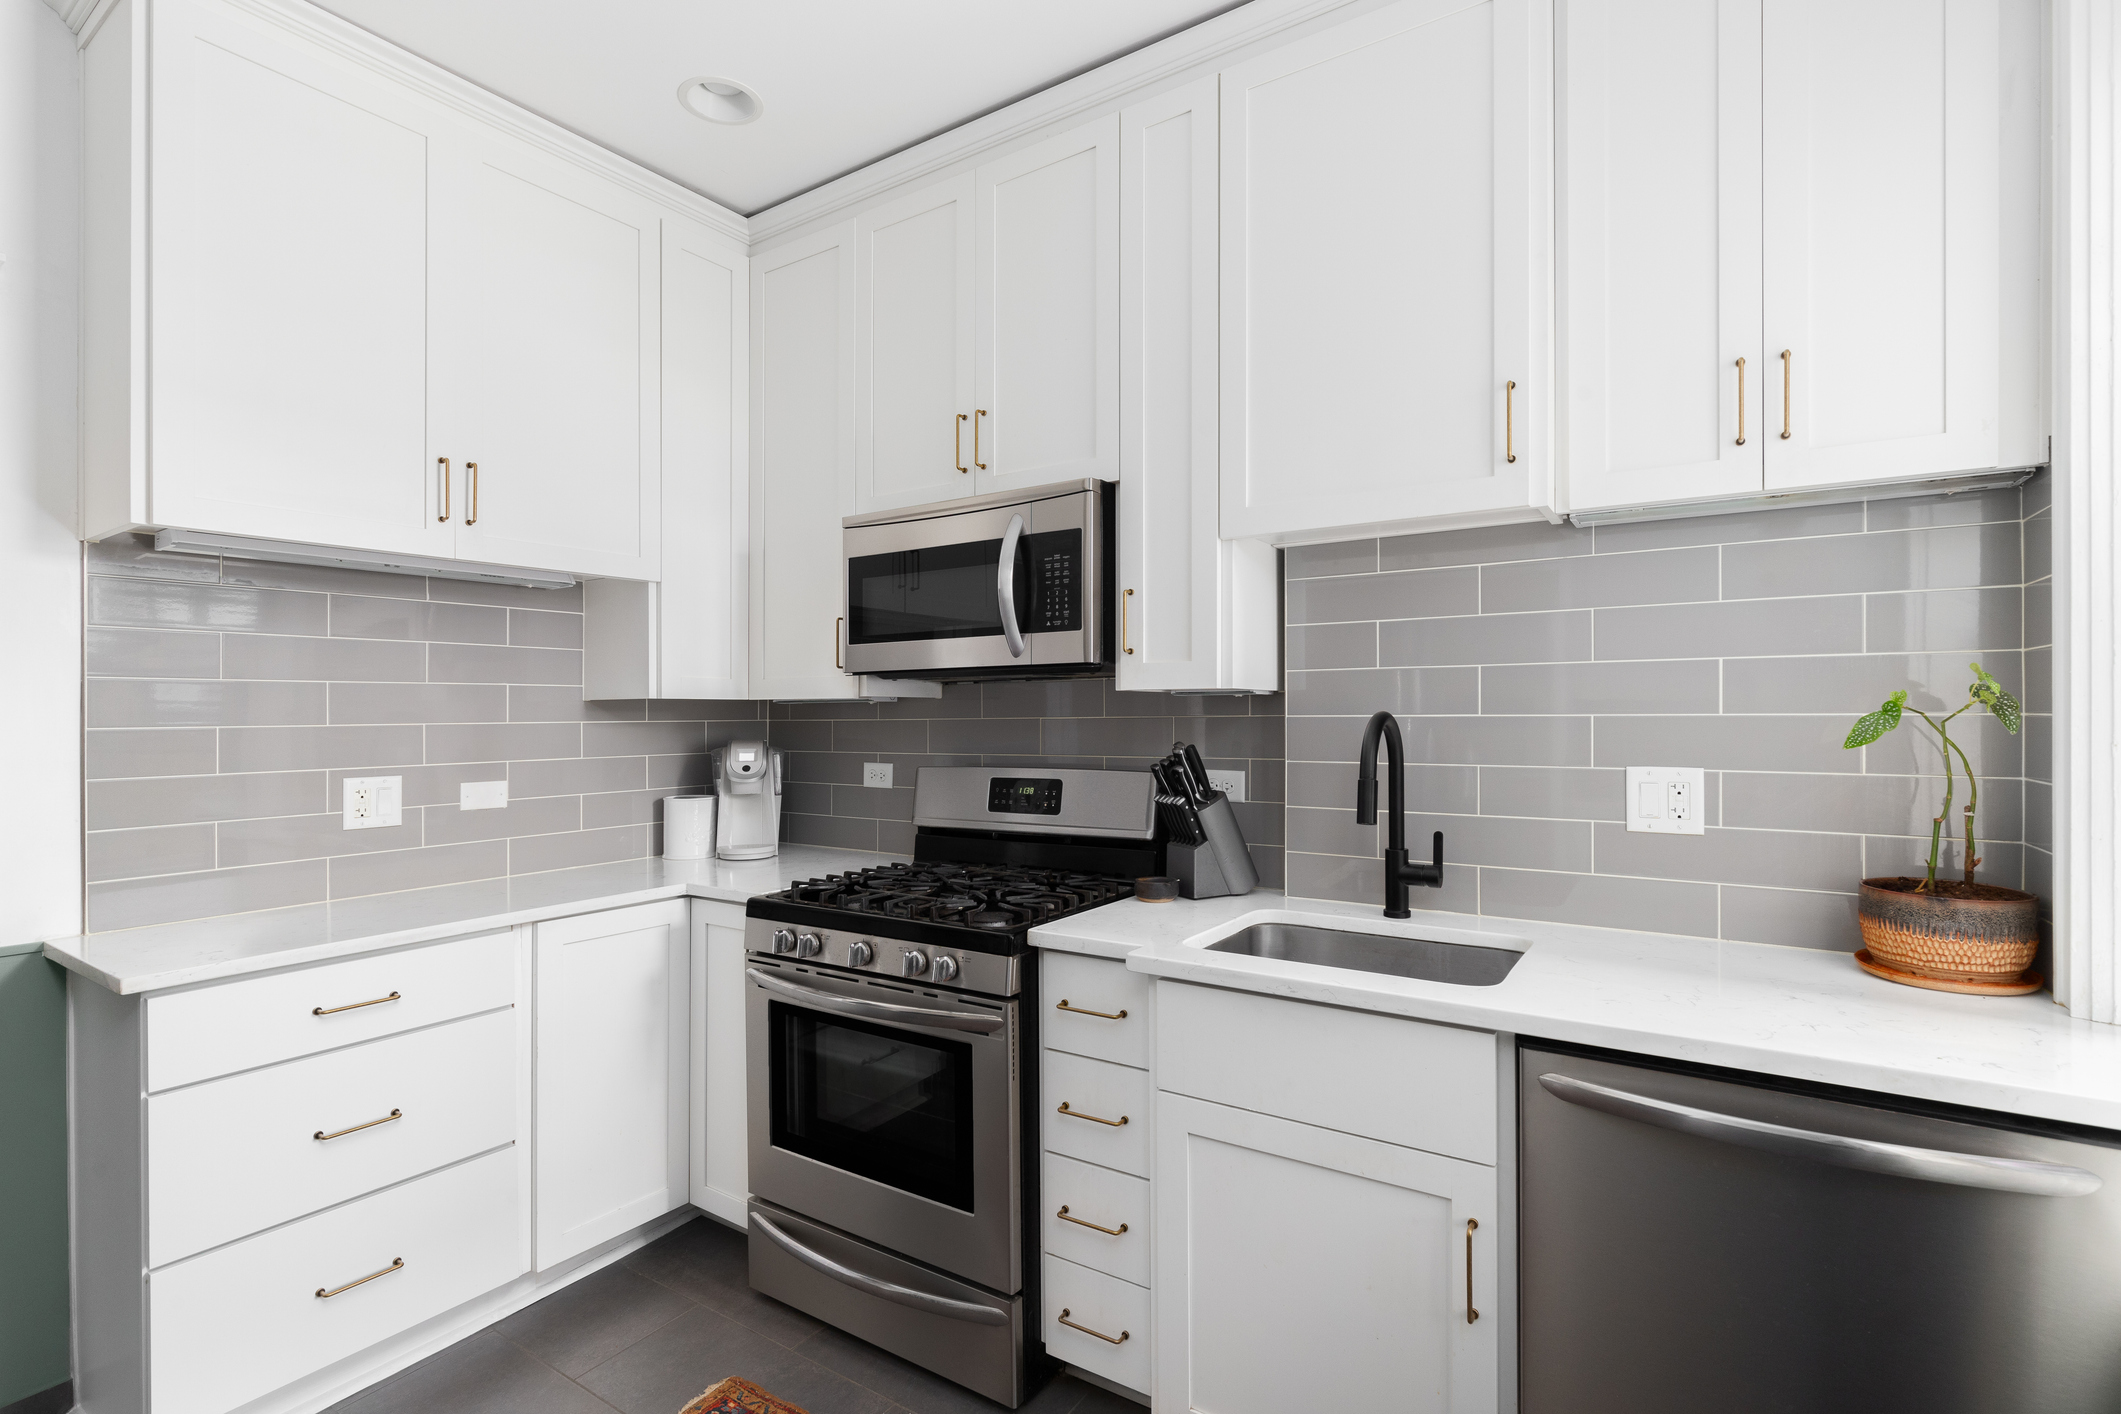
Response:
column 33, row 1281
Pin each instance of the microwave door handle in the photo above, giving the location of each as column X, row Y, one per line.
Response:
column 1870, row 1155
column 1005, row 586
column 877, row 1286
column 980, row 1021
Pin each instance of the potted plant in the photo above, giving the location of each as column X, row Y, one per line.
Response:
column 1952, row 935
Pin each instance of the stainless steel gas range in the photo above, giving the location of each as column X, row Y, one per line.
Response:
column 891, row 1031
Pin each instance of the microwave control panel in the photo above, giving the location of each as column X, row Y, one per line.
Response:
column 1056, row 582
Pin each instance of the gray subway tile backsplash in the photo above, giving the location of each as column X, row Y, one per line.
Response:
column 152, row 751
column 472, row 662
column 151, row 653
column 1597, row 581
column 178, row 702
column 1934, row 620
column 321, row 659
column 166, row 603
column 361, row 616
column 1563, row 636
column 1712, row 630
column 301, row 748
column 1947, row 557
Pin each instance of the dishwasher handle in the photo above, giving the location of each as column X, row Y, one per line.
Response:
column 1870, row 1155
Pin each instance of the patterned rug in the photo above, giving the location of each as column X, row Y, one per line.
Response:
column 735, row 1396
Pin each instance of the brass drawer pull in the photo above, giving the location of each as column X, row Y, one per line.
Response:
column 355, row 1129
column 1094, row 1119
column 1741, row 402
column 1509, row 420
column 394, row 1266
column 1064, row 1215
column 1785, row 395
column 977, row 414
column 471, row 469
column 352, row 1006
column 960, row 443
column 1471, row 1314
column 442, row 471
column 1120, row 1015
column 1123, row 622
column 1119, row 1339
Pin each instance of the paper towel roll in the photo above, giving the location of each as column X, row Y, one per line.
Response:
column 688, row 827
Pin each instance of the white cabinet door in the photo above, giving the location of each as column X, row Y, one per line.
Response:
column 1384, row 213
column 1303, row 1268
column 720, row 1137
column 289, row 337
column 1197, row 612
column 611, row 1075
column 1047, row 368
column 1662, row 124
column 546, row 314
column 914, row 366
column 1883, row 218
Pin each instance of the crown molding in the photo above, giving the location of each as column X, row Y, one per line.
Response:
column 75, row 13
column 1099, row 91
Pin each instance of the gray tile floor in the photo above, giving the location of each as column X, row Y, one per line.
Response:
column 648, row 1333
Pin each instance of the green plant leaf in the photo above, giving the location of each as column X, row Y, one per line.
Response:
column 1997, row 698
column 1873, row 725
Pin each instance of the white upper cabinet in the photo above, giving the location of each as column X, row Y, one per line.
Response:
column 1384, row 272
column 1046, row 388
column 915, row 340
column 1881, row 252
column 1196, row 612
column 1662, row 353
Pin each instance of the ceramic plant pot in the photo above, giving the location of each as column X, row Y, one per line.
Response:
column 1985, row 937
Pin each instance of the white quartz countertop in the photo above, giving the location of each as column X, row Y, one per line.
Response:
column 216, row 949
column 1790, row 1012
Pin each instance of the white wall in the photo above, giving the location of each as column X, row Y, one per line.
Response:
column 40, row 626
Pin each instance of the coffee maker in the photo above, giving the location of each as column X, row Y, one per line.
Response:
column 747, row 780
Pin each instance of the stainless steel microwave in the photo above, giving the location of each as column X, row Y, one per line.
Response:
column 1014, row 584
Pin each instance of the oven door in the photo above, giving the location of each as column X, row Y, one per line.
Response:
column 933, row 591
column 889, row 1111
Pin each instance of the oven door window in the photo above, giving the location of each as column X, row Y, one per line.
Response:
column 878, row 1101
column 948, row 591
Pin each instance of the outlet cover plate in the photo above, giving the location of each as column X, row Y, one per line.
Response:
column 1230, row 783
column 1665, row 800
column 371, row 802
column 482, row 795
column 877, row 774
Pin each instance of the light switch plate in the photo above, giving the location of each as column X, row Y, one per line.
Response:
column 1230, row 783
column 877, row 773
column 1665, row 800
column 372, row 802
column 482, row 795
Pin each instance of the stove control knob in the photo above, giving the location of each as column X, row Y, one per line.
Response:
column 783, row 940
column 808, row 945
column 946, row 969
column 913, row 962
column 860, row 954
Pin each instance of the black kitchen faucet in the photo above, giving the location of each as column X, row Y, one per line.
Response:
column 1398, row 872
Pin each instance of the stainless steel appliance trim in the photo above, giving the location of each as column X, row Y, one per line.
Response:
column 877, row 1286
column 880, row 1011
column 1005, row 586
column 973, row 503
column 1115, row 805
column 1871, row 1155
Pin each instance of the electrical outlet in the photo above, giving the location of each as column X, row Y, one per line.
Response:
column 1230, row 783
column 1665, row 800
column 482, row 795
column 878, row 774
column 372, row 802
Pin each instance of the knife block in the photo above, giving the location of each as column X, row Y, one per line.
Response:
column 1218, row 868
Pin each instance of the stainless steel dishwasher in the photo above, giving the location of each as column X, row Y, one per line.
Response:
column 1695, row 1240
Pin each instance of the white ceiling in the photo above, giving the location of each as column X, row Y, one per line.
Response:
column 845, row 82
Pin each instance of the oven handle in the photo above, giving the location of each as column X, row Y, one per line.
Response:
column 1005, row 586
column 876, row 1286
column 878, row 1011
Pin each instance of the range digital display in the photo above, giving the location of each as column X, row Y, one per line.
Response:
column 1008, row 795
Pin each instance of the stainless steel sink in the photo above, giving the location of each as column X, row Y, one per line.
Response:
column 1461, row 963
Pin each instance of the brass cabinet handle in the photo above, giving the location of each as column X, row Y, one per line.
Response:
column 1120, row 1015
column 959, row 444
column 394, row 1266
column 442, row 471
column 1123, row 620
column 1785, row 395
column 1064, row 1215
column 837, row 625
column 355, row 1129
column 352, row 1006
column 1509, row 421
column 471, row 470
column 1741, row 402
column 1471, row 1314
column 977, row 414
column 1094, row 1119
column 1119, row 1339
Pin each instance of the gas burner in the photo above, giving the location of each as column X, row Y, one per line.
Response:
column 988, row 897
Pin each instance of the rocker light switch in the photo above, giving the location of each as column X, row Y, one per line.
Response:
column 1665, row 800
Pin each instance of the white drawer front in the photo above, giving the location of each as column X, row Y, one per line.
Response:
column 1112, row 1308
column 1095, row 1195
column 1384, row 1077
column 243, row 1321
column 1096, row 1091
column 234, row 1026
column 1076, row 987
column 239, row 1155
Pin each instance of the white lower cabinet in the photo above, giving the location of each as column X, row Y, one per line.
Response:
column 1097, row 1322
column 242, row 1321
column 720, row 1138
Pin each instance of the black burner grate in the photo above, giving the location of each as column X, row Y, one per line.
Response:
column 991, row 897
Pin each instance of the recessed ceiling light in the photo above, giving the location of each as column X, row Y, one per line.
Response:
column 720, row 100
